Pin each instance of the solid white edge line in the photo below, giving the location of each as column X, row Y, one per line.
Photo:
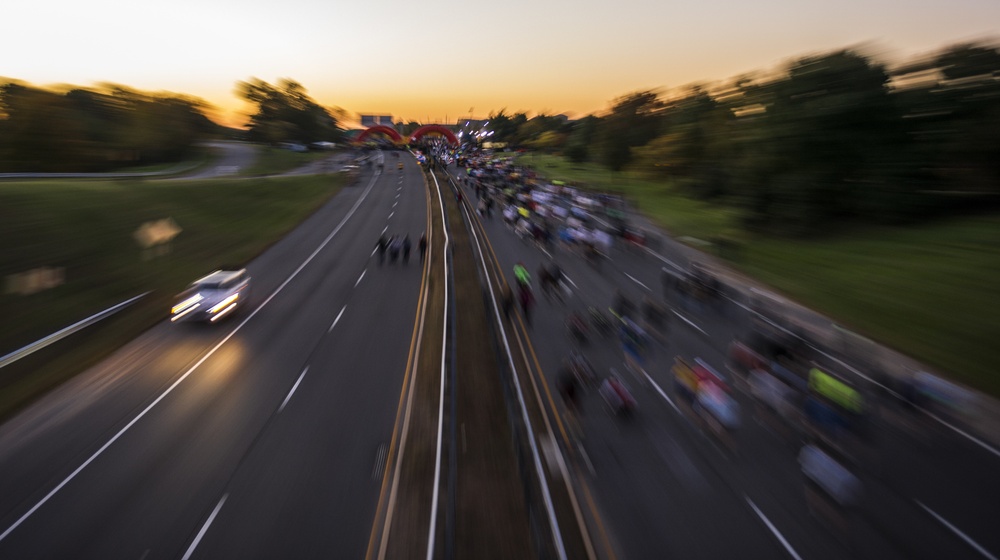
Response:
column 363, row 272
column 774, row 530
column 536, row 458
column 960, row 534
column 632, row 278
column 334, row 323
column 190, row 370
column 444, row 340
column 970, row 437
column 688, row 321
column 857, row 372
column 204, row 528
column 294, row 387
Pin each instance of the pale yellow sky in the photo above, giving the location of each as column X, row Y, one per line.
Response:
column 439, row 58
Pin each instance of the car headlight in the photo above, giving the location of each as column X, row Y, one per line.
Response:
column 186, row 304
column 223, row 304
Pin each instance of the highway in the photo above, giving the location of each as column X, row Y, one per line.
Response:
column 662, row 488
column 257, row 437
column 266, row 436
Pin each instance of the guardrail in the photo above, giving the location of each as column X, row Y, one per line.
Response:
column 63, row 333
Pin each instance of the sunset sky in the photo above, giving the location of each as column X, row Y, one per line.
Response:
column 432, row 59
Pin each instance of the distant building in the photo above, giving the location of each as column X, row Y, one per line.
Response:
column 372, row 120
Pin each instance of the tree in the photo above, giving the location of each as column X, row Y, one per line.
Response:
column 286, row 113
column 95, row 130
column 633, row 121
column 829, row 137
column 582, row 136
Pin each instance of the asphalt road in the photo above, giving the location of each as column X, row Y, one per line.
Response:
column 664, row 489
column 256, row 437
column 233, row 157
column 260, row 437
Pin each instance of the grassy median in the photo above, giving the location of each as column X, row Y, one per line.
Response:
column 923, row 290
column 85, row 232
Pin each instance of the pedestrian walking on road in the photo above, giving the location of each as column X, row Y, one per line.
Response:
column 406, row 249
column 395, row 244
column 382, row 245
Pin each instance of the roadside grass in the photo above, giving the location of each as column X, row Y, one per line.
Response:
column 927, row 291
column 86, row 228
column 272, row 161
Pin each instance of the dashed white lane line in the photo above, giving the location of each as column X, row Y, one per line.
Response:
column 774, row 530
column 196, row 365
column 391, row 214
column 363, row 272
column 334, row 323
column 960, row 534
column 395, row 203
column 294, row 387
column 662, row 258
column 385, row 229
column 688, row 321
column 204, row 528
column 661, row 392
column 632, row 278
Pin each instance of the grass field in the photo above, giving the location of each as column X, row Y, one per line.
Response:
column 271, row 161
column 927, row 291
column 86, row 229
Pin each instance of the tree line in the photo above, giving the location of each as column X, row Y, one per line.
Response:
column 829, row 140
column 108, row 128
column 88, row 130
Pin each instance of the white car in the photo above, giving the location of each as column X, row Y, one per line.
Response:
column 213, row 297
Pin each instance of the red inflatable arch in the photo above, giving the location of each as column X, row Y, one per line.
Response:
column 379, row 128
column 434, row 129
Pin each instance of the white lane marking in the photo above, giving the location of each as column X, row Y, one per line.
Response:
column 570, row 280
column 385, row 229
column 536, row 459
column 774, row 530
column 432, row 531
column 662, row 258
column 395, row 203
column 391, row 214
column 955, row 530
column 363, row 272
column 294, row 387
column 204, row 528
column 970, row 437
column 632, row 278
column 661, row 392
column 190, row 370
column 860, row 374
column 688, row 321
column 379, row 460
column 373, row 251
column 334, row 323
